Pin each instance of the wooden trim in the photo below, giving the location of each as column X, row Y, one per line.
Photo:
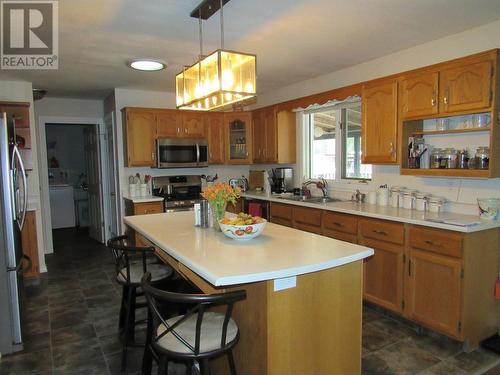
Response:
column 451, row 131
column 481, row 173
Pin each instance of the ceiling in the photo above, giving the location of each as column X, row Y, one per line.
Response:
column 293, row 39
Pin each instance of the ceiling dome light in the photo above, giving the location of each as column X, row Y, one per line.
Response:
column 148, row 65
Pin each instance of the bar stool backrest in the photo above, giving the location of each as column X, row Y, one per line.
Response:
column 196, row 304
column 124, row 254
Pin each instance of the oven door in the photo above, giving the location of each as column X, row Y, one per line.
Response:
column 178, row 153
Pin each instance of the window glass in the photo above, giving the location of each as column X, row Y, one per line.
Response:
column 323, row 134
column 352, row 167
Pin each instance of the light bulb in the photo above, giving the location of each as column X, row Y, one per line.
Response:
column 249, row 87
column 227, row 79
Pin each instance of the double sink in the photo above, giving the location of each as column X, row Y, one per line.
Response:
column 302, row 198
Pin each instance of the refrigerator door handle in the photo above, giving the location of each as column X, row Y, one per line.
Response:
column 17, row 155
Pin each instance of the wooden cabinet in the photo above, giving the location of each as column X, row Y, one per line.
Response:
column 383, row 272
column 307, row 219
column 274, row 136
column 281, row 214
column 434, row 291
column 193, row 124
column 30, row 245
column 238, row 137
column 140, row 208
column 419, row 94
column 466, row 87
column 139, row 137
column 215, row 135
column 379, row 122
column 169, row 123
column 340, row 226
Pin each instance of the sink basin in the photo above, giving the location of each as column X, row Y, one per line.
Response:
column 299, row 198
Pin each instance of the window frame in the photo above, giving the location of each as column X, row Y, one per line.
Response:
column 340, row 138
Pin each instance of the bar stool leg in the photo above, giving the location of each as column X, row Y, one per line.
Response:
column 123, row 310
column 147, row 359
column 126, row 329
column 204, row 367
column 230, row 359
column 163, row 366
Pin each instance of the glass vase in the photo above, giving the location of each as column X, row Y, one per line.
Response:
column 218, row 212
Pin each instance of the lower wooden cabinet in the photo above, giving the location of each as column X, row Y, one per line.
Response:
column 282, row 214
column 307, row 219
column 435, row 291
column 383, row 275
column 142, row 208
column 30, row 245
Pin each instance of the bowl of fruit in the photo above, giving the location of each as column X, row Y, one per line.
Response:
column 242, row 226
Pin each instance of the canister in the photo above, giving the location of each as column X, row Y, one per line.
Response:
column 421, row 201
column 409, row 199
column 395, row 196
column 435, row 204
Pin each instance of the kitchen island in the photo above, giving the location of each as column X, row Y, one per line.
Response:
column 303, row 309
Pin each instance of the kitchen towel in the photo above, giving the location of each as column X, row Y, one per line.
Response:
column 255, row 209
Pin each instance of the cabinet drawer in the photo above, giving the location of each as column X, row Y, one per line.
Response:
column 438, row 241
column 340, row 222
column 382, row 230
column 148, row 208
column 283, row 211
column 281, row 221
column 348, row 237
column 310, row 216
column 307, row 228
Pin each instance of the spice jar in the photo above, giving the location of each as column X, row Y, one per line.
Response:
column 482, row 158
column 449, row 158
column 436, row 156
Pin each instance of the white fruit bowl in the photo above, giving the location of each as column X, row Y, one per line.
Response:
column 243, row 232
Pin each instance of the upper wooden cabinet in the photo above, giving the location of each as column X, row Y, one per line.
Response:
column 193, row 124
column 169, row 123
column 238, row 137
column 379, row 122
column 274, row 136
column 419, row 94
column 466, row 87
column 139, row 137
column 215, row 135
column 449, row 88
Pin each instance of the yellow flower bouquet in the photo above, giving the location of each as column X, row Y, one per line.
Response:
column 218, row 195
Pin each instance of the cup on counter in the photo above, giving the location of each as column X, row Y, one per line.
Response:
column 372, row 197
column 383, row 196
column 435, row 204
column 421, row 201
column 132, row 190
column 143, row 190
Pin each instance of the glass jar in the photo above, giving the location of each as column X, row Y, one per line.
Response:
column 449, row 158
column 482, row 157
column 442, row 123
column 436, row 156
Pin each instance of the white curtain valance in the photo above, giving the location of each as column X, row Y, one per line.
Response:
column 330, row 105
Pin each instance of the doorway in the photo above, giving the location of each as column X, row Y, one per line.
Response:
column 75, row 176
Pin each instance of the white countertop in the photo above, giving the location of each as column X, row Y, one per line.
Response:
column 388, row 213
column 279, row 252
column 145, row 199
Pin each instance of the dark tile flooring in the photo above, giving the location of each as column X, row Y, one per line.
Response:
column 72, row 326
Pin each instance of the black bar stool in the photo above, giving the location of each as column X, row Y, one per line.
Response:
column 198, row 335
column 131, row 263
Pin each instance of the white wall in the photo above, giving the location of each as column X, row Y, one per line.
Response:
column 461, row 192
column 18, row 91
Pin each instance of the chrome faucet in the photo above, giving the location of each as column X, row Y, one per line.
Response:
column 319, row 183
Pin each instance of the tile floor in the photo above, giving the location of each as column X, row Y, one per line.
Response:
column 72, row 326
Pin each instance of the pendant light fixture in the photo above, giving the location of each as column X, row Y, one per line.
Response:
column 224, row 77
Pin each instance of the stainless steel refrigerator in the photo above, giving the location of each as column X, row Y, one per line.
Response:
column 13, row 201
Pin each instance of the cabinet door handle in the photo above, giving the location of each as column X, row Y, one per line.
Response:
column 178, row 130
column 429, row 242
column 246, row 154
column 409, row 267
column 185, row 130
column 381, row 232
column 338, row 224
column 392, row 150
column 433, row 100
column 153, row 155
column 446, row 94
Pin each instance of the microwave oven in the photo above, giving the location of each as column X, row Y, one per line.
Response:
column 181, row 153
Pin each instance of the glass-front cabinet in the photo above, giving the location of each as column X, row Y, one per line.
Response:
column 238, row 137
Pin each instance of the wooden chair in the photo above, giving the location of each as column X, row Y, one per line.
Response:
column 198, row 335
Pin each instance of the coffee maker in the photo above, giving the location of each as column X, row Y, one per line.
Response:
column 282, row 180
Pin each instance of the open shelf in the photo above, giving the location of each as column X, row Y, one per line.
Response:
column 451, row 131
column 478, row 173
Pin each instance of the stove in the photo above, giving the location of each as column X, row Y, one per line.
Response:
column 180, row 193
